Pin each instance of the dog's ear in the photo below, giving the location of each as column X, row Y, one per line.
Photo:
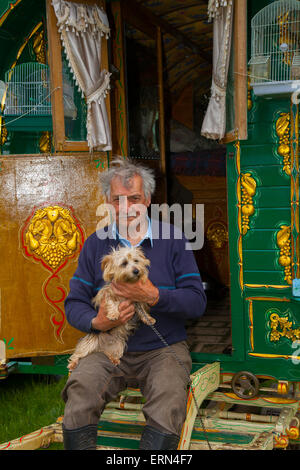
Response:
column 143, row 257
column 104, row 262
column 105, row 267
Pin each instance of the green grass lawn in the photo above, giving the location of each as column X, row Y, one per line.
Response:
column 29, row 402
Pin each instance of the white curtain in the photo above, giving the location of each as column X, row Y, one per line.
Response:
column 214, row 123
column 81, row 28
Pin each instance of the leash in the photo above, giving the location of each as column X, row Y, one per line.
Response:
column 187, row 372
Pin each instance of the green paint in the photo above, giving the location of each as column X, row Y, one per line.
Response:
column 122, row 148
column 99, row 162
column 222, row 437
column 120, row 104
column 121, row 120
column 118, row 30
column 114, row 427
column 29, row 368
column 5, row 6
column 118, row 442
column 120, row 59
column 8, row 343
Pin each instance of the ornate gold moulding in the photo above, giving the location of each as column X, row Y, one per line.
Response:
column 52, row 236
column 283, row 131
column 282, row 327
column 217, row 233
column 248, row 188
column 283, row 239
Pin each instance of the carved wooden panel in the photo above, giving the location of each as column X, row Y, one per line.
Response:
column 48, row 208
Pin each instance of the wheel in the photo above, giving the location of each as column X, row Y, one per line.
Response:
column 245, row 385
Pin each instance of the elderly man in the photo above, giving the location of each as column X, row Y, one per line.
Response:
column 174, row 292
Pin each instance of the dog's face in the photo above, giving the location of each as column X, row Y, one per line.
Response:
column 125, row 265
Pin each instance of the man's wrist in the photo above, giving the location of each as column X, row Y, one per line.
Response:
column 154, row 299
column 94, row 326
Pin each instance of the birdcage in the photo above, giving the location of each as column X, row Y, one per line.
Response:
column 275, row 48
column 28, row 90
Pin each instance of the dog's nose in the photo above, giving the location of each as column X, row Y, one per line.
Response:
column 136, row 271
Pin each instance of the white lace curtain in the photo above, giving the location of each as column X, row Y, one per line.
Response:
column 81, row 28
column 214, row 123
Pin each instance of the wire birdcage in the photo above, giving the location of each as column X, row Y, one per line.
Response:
column 28, row 90
column 275, row 46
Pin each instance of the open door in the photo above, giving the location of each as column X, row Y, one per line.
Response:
column 138, row 97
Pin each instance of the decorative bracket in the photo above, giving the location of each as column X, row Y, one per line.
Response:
column 283, row 239
column 282, row 327
column 283, row 131
column 52, row 236
column 248, row 187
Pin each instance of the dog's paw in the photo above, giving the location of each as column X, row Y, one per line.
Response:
column 113, row 316
column 72, row 365
column 114, row 360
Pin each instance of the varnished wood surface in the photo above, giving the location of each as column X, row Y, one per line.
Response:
column 27, row 183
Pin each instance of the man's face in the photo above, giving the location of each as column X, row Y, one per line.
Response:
column 130, row 203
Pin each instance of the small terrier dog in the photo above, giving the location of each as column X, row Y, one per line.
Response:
column 121, row 265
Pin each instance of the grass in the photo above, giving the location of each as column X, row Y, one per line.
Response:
column 29, row 402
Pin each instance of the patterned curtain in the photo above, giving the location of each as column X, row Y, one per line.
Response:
column 81, row 28
column 214, row 124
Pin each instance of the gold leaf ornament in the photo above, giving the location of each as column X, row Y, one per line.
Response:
column 217, row 233
column 282, row 327
column 52, row 235
column 283, row 239
column 248, row 187
column 282, row 128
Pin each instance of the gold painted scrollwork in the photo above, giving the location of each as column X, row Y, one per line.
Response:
column 52, row 235
column 248, row 188
column 282, row 327
column 3, row 132
column 45, row 142
column 249, row 98
column 217, row 233
column 283, row 239
column 39, row 47
column 283, row 129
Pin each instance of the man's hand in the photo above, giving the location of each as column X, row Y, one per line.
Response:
column 102, row 323
column 136, row 292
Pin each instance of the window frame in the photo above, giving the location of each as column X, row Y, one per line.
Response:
column 61, row 144
column 240, row 74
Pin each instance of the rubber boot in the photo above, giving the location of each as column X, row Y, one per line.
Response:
column 152, row 439
column 84, row 438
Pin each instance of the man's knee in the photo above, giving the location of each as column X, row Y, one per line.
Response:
column 165, row 409
column 86, row 392
column 169, row 415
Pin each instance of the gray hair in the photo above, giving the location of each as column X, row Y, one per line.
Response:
column 125, row 169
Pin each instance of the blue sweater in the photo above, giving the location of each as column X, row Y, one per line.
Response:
column 173, row 270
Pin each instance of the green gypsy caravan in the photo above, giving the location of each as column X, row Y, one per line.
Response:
column 207, row 94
